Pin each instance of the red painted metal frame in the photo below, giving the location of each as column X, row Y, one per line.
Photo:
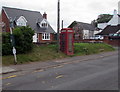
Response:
column 65, row 43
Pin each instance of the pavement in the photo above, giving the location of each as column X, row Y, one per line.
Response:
column 53, row 63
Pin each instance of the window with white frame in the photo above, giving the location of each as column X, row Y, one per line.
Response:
column 46, row 36
column 21, row 21
column 44, row 24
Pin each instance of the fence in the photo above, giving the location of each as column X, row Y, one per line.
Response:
column 113, row 42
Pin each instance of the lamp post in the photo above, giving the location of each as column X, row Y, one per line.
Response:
column 12, row 40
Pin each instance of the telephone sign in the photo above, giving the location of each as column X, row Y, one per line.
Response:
column 67, row 41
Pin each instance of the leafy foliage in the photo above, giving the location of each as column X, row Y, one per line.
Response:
column 103, row 18
column 6, row 44
column 23, row 40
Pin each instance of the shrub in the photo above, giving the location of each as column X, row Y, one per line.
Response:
column 23, row 40
column 6, row 44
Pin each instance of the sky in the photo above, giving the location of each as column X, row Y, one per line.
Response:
column 70, row 10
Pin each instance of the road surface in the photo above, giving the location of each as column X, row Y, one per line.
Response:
column 96, row 74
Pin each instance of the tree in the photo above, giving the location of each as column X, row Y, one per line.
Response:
column 103, row 18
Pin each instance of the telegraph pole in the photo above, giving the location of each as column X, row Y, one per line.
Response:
column 58, row 26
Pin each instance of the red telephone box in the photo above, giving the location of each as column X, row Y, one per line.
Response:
column 67, row 41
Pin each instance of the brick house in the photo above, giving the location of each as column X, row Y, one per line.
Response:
column 44, row 33
column 82, row 30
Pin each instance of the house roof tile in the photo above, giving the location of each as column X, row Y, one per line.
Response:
column 110, row 30
column 31, row 16
column 86, row 26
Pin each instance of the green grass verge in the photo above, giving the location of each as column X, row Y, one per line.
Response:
column 91, row 48
column 49, row 52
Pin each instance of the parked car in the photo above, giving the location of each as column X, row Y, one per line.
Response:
column 114, row 36
column 97, row 37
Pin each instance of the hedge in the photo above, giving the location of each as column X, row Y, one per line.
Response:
column 23, row 40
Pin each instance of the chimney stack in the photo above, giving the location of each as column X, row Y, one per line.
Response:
column 45, row 15
column 115, row 12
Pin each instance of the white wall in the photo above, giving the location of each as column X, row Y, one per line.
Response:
column 96, row 32
column 85, row 34
column 102, row 25
column 114, row 20
column 35, row 38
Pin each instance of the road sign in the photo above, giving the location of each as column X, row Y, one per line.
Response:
column 14, row 50
column 14, row 53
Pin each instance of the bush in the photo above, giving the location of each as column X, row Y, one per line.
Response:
column 6, row 44
column 23, row 40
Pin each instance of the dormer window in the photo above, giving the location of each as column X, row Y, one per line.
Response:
column 43, row 24
column 21, row 21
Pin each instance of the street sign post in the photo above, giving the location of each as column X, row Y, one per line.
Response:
column 13, row 40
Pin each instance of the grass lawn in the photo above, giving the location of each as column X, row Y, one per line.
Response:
column 49, row 52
